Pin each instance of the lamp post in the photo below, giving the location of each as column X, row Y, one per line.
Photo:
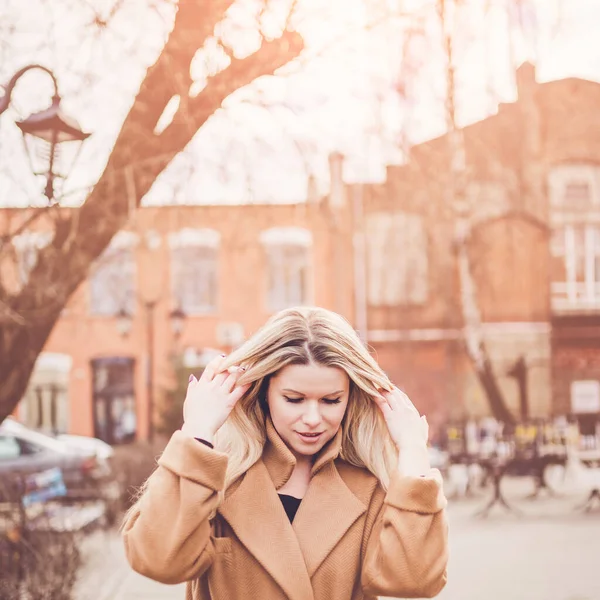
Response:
column 44, row 131
column 124, row 324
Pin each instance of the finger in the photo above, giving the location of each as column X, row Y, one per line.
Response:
column 383, row 405
column 234, row 375
column 238, row 393
column 212, row 368
column 192, row 381
column 220, row 378
column 389, row 399
column 425, row 427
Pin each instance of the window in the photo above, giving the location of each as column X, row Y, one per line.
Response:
column 112, row 283
column 45, row 404
column 575, row 246
column 288, row 266
column 115, row 417
column 576, row 275
column 396, row 259
column 194, row 269
column 574, row 189
column 27, row 246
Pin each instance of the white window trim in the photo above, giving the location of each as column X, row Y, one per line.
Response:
column 572, row 294
column 25, row 242
column 195, row 237
column 118, row 243
column 560, row 177
column 123, row 240
column 282, row 237
column 286, row 236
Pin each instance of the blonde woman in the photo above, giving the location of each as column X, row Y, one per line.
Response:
column 300, row 473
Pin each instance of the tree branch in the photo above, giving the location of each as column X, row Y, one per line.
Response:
column 105, row 212
column 265, row 61
column 170, row 75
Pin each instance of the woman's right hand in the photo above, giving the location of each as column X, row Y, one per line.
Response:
column 210, row 399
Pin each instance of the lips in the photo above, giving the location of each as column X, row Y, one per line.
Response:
column 309, row 437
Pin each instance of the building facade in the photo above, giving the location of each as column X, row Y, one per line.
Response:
column 381, row 255
column 531, row 190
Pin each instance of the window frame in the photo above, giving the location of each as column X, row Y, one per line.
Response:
column 276, row 242
column 575, row 239
column 188, row 239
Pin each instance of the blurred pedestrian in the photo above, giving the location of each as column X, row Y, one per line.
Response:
column 300, row 472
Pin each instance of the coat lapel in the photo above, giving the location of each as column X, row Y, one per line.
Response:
column 326, row 513
column 256, row 515
column 291, row 555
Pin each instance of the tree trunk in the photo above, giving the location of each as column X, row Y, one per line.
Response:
column 473, row 331
column 138, row 157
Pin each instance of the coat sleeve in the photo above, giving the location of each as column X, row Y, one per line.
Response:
column 406, row 547
column 167, row 534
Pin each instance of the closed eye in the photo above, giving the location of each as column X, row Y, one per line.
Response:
column 331, row 400
column 293, row 400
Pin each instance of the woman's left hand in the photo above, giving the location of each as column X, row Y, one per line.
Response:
column 406, row 426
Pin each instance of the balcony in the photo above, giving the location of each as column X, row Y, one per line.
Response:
column 573, row 297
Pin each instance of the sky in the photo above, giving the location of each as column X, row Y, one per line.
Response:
column 342, row 95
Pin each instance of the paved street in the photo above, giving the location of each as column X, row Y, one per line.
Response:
column 550, row 553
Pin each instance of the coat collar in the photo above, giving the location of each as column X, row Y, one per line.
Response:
column 280, row 461
column 291, row 554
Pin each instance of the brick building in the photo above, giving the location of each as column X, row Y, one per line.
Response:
column 533, row 190
column 381, row 255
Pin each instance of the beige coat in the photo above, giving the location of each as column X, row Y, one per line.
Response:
column 349, row 540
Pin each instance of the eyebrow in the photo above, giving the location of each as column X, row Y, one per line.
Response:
column 301, row 394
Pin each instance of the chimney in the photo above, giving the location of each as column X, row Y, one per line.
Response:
column 337, row 189
column 312, row 190
column 526, row 82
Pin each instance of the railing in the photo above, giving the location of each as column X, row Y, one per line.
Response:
column 39, row 549
column 575, row 297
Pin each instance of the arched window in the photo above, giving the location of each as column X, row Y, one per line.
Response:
column 112, row 282
column 194, row 269
column 27, row 246
column 288, row 251
column 45, row 404
column 397, row 262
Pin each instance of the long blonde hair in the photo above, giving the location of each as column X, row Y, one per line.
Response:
column 301, row 336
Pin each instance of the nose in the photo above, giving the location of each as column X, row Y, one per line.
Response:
column 312, row 414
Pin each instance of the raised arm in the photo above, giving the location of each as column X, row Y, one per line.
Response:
column 167, row 533
column 406, row 545
column 406, row 550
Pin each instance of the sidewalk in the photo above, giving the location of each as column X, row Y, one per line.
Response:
column 107, row 576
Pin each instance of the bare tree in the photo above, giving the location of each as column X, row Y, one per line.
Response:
column 473, row 331
column 138, row 157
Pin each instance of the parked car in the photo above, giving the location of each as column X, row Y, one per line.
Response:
column 95, row 446
column 84, row 463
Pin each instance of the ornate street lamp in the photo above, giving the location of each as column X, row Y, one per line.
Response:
column 124, row 322
column 177, row 321
column 44, row 131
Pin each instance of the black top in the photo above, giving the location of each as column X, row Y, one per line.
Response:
column 290, row 504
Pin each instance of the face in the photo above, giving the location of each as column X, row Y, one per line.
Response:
column 307, row 404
